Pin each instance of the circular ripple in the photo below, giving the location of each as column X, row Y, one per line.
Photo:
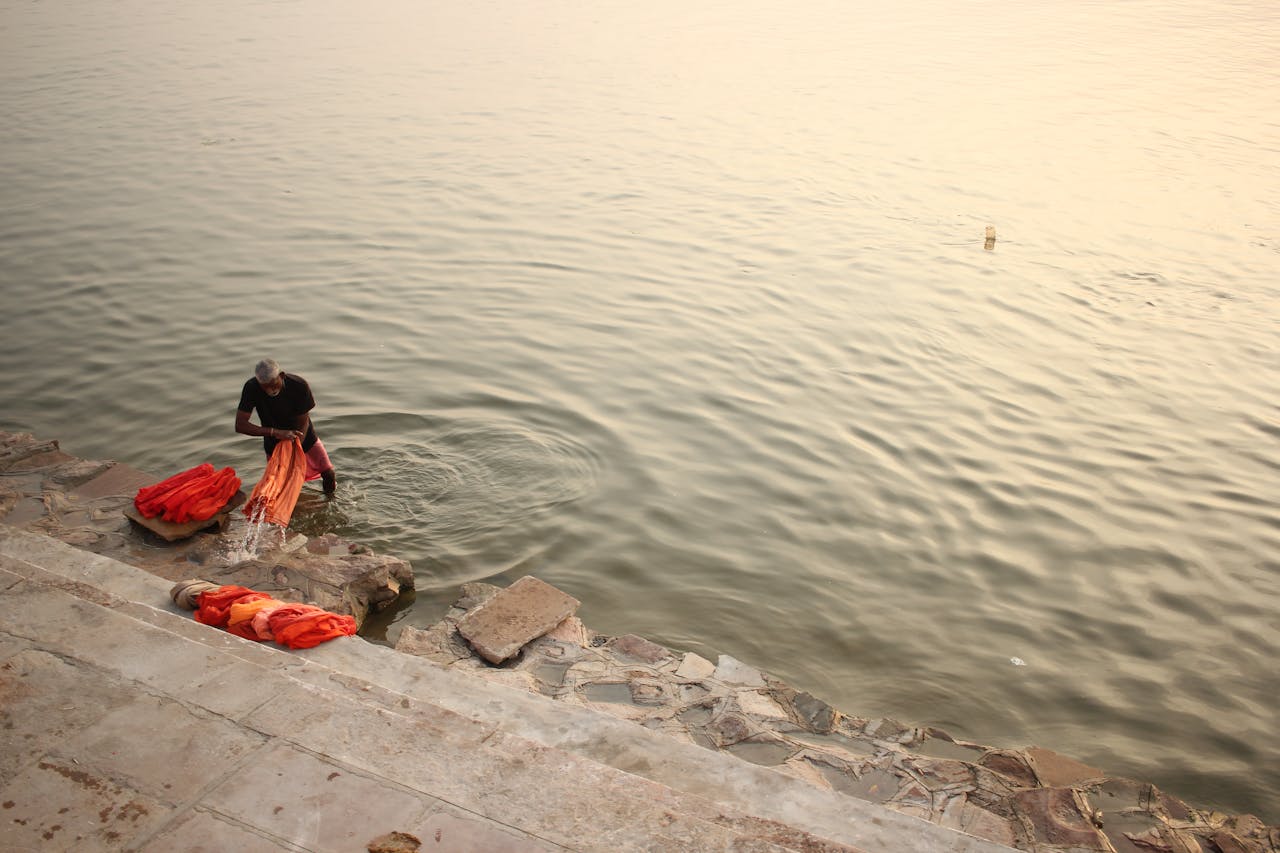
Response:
column 469, row 490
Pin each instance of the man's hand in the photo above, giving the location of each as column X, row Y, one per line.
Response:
column 286, row 434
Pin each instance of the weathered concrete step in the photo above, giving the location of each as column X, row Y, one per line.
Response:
column 545, row 793
column 478, row 745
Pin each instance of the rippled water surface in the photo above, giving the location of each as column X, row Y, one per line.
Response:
column 687, row 310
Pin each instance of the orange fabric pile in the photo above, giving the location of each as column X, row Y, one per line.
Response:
column 277, row 492
column 194, row 495
column 258, row 616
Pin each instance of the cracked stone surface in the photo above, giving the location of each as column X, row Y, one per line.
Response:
column 1033, row 798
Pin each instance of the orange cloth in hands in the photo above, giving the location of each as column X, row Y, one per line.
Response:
column 277, row 492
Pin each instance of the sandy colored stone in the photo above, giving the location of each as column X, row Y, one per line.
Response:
column 638, row 648
column 1056, row 816
column 730, row 670
column 571, row 631
column 524, row 611
column 695, row 667
column 758, row 704
column 1056, row 771
column 440, row 643
column 172, row 532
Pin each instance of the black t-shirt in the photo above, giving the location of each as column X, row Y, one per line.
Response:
column 282, row 410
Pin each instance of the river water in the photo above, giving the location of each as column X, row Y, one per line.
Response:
column 688, row 311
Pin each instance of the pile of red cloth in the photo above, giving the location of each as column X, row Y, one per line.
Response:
column 194, row 495
column 258, row 616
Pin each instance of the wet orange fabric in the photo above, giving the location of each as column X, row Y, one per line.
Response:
column 301, row 626
column 149, row 499
column 193, row 495
column 277, row 492
column 242, row 620
column 214, row 605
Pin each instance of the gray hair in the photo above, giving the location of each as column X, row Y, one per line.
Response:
column 267, row 370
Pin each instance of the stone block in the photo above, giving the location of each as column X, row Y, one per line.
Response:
column 315, row 803
column 1056, row 771
column 201, row 831
column 172, row 532
column 447, row 833
column 638, row 648
column 524, row 611
column 733, row 671
column 759, row 705
column 59, row 804
column 1056, row 817
column 818, row 715
column 138, row 741
column 695, row 667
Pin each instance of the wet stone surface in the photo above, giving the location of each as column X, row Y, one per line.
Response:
column 85, row 504
column 1033, row 799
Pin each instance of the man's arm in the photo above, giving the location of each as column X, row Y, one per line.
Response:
column 247, row 427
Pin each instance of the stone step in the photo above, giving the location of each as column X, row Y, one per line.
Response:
column 567, row 776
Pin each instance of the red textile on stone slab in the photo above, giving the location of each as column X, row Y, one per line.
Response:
column 196, row 494
column 301, row 626
column 214, row 605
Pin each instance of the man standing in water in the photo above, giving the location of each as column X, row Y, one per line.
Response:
column 283, row 401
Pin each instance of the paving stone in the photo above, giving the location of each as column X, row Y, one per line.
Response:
column 1055, row 817
column 453, row 833
column 524, row 611
column 56, row 804
column 164, row 749
column 119, row 479
column 1056, row 771
column 760, row 705
column 818, row 715
column 638, row 648
column 202, row 832
column 571, row 631
column 733, row 671
column 76, row 472
column 314, row 803
column 43, row 701
column 695, row 667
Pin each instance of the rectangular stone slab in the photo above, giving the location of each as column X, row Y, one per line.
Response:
column 171, row 532
column 522, row 612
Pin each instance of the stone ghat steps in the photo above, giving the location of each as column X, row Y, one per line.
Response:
column 557, row 776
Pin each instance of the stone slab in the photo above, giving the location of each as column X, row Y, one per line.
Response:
column 449, row 833
column 730, row 670
column 202, row 832
column 117, row 480
column 162, row 748
column 695, row 667
column 171, row 532
column 1054, row 770
column 316, row 804
column 57, row 804
column 522, row 612
column 759, row 705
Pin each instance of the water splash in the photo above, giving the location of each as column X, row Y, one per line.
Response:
column 258, row 534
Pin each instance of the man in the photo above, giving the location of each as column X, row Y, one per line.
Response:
column 283, row 401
